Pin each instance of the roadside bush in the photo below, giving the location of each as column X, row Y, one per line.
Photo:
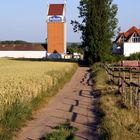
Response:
column 134, row 56
column 113, row 58
column 75, row 48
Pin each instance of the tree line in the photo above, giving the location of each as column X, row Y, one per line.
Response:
column 14, row 42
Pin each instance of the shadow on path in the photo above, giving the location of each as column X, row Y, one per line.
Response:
column 82, row 111
column 76, row 103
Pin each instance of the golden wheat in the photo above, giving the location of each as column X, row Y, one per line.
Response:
column 24, row 80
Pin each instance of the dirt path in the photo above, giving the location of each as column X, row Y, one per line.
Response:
column 74, row 102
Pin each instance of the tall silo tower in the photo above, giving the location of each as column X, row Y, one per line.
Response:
column 56, row 25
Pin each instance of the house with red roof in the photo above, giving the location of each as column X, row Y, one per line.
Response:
column 127, row 42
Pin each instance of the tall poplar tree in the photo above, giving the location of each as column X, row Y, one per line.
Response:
column 98, row 27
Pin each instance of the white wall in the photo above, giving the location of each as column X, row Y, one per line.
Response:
column 130, row 48
column 23, row 54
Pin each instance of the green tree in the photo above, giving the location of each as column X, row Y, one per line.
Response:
column 74, row 47
column 98, row 27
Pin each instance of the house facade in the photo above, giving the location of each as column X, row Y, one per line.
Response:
column 127, row 42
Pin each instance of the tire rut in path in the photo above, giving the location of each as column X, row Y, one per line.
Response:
column 74, row 103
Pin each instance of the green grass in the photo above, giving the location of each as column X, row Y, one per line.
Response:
column 100, row 77
column 13, row 119
column 62, row 132
column 120, row 120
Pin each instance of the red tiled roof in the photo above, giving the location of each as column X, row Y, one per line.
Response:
column 128, row 33
column 22, row 47
column 131, row 31
column 56, row 9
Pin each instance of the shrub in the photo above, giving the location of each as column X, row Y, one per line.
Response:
column 113, row 58
column 74, row 48
column 134, row 56
column 62, row 132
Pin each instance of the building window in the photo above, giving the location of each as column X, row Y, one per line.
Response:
column 135, row 38
column 122, row 40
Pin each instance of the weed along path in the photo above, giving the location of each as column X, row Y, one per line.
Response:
column 73, row 103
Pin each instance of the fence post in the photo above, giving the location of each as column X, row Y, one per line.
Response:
column 130, row 89
column 122, row 82
column 137, row 93
column 139, row 79
column 138, row 106
column 139, row 97
column 123, row 86
column 136, row 98
column 119, row 80
column 108, row 71
column 113, row 75
column 109, row 68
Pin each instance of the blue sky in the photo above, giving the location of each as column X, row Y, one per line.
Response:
column 26, row 19
column 128, row 13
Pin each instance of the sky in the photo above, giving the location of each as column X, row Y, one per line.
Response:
column 26, row 19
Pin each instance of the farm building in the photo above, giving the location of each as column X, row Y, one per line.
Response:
column 56, row 25
column 56, row 38
column 127, row 42
column 23, row 50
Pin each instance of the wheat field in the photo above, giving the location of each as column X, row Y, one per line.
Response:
column 22, row 81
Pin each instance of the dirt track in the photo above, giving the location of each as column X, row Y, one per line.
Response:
column 75, row 102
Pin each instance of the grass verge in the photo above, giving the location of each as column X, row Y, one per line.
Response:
column 15, row 117
column 119, row 121
column 62, row 132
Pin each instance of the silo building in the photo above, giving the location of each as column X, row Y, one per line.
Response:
column 56, row 30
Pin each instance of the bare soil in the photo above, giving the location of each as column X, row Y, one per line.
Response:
column 74, row 103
